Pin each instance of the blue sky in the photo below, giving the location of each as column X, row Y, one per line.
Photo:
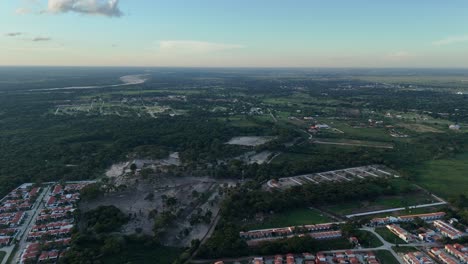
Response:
column 216, row 33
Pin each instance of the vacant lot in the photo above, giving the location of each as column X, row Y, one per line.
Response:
column 294, row 217
column 445, row 177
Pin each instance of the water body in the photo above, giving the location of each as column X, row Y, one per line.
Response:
column 127, row 80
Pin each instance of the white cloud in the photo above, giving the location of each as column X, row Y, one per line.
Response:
column 90, row 7
column 39, row 39
column 22, row 11
column 451, row 40
column 191, row 46
column 14, row 34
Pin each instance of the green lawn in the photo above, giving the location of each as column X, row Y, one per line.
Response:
column 385, row 257
column 404, row 249
column 367, row 239
column 389, row 236
column 294, row 217
column 447, row 177
column 2, row 255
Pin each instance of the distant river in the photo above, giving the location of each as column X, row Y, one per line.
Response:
column 126, row 81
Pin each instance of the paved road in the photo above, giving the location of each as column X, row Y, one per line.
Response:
column 351, row 144
column 397, row 209
column 30, row 223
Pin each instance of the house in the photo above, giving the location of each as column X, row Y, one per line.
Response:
column 4, row 241
column 400, row 232
column 407, row 218
column 446, row 259
column 448, row 230
column 320, row 258
column 417, row 258
column 458, row 254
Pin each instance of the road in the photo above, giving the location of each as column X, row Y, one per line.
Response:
column 272, row 116
column 397, row 209
column 351, row 144
column 38, row 206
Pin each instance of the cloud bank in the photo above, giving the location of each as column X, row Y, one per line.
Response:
column 39, row 39
column 451, row 40
column 191, row 46
column 13, row 34
column 108, row 8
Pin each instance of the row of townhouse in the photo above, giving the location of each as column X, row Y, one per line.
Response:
column 8, row 232
column 12, row 219
column 285, row 231
column 459, row 251
column 407, row 218
column 20, row 199
column 55, row 214
column 401, row 233
column 57, row 233
column 448, row 230
column 326, row 235
column 68, row 188
column 37, row 252
column 346, row 257
column 63, row 200
column 443, row 257
column 51, row 226
column 5, row 241
column 417, row 258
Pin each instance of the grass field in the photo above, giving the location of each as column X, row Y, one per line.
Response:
column 367, row 239
column 385, row 257
column 294, row 217
column 404, row 249
column 2, row 255
column 445, row 177
column 389, row 236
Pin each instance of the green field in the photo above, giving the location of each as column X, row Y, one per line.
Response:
column 385, row 257
column 404, row 249
column 2, row 255
column 446, row 177
column 389, row 236
column 294, row 217
column 367, row 239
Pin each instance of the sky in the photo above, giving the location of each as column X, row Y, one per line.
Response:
column 235, row 33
